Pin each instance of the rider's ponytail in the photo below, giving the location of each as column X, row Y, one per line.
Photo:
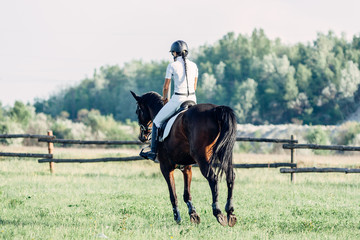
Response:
column 183, row 55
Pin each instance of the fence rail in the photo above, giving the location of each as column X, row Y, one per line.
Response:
column 93, row 142
column 26, row 136
column 31, row 155
column 137, row 158
column 123, row 159
column 270, row 140
column 264, row 165
column 319, row 170
column 321, row 147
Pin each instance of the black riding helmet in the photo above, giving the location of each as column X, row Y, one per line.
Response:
column 179, row 47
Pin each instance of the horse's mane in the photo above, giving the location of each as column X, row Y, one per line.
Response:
column 153, row 100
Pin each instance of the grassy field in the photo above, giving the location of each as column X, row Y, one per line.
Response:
column 130, row 200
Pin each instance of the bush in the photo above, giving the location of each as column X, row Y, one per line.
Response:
column 62, row 129
column 90, row 125
column 4, row 130
column 9, row 127
column 318, row 136
column 39, row 125
column 107, row 126
column 352, row 134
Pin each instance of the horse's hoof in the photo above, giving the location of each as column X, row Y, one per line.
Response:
column 177, row 219
column 177, row 216
column 222, row 219
column 231, row 218
column 195, row 218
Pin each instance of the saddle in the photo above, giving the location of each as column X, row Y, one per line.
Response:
column 163, row 129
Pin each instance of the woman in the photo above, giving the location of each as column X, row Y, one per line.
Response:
column 185, row 74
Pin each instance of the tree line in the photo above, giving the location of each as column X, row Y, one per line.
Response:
column 265, row 81
column 90, row 125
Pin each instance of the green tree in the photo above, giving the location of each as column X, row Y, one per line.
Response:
column 207, row 89
column 276, row 87
column 1, row 112
column 349, row 82
column 245, row 100
column 303, row 78
column 316, row 83
column 21, row 113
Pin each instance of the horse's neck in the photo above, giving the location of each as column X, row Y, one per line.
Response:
column 154, row 108
column 153, row 113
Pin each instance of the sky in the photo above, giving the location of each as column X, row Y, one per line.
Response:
column 48, row 45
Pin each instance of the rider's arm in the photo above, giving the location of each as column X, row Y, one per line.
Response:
column 166, row 89
column 195, row 83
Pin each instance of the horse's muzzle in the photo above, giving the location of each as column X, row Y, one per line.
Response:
column 144, row 138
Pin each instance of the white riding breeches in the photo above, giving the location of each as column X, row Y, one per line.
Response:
column 170, row 108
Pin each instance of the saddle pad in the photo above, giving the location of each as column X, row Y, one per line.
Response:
column 168, row 127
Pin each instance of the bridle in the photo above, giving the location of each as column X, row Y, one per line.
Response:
column 145, row 130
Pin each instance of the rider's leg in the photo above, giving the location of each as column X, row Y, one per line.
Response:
column 166, row 111
column 152, row 153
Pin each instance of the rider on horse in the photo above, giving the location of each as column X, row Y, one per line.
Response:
column 185, row 75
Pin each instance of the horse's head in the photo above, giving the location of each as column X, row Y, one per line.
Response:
column 144, row 118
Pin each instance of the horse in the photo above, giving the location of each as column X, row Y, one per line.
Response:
column 205, row 135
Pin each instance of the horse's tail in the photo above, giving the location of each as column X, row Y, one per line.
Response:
column 222, row 150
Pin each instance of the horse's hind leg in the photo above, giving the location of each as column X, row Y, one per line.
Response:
column 194, row 217
column 210, row 175
column 229, row 207
column 169, row 177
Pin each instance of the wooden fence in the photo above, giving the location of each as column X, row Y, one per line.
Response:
column 320, row 147
column 66, row 141
column 25, row 155
column 49, row 136
column 50, row 140
column 290, row 144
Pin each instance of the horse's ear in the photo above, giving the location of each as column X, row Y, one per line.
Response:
column 137, row 98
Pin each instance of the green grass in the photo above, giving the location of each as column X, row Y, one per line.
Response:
column 131, row 201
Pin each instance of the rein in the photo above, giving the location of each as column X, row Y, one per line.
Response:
column 146, row 129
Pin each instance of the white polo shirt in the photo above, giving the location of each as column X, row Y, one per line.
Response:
column 176, row 71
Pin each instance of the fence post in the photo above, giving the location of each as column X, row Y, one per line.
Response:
column 292, row 151
column 51, row 151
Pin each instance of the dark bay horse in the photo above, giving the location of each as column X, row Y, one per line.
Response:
column 205, row 135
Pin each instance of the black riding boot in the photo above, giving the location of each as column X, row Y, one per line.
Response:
column 152, row 153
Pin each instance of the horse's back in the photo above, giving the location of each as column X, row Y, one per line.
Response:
column 194, row 134
column 198, row 123
column 201, row 123
column 197, row 128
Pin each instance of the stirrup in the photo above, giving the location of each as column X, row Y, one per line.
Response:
column 148, row 155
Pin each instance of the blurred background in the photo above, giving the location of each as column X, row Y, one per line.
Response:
column 69, row 65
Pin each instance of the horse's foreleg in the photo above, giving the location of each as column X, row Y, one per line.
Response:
column 169, row 177
column 194, row 217
column 229, row 207
column 210, row 175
